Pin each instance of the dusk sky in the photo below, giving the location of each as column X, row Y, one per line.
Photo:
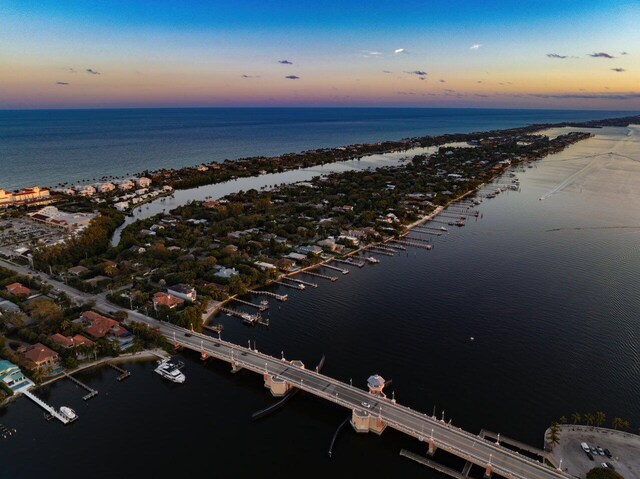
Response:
column 532, row 54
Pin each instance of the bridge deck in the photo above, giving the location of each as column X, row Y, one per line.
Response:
column 465, row 445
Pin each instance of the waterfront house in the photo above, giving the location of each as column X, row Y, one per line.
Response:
column 226, row 273
column 98, row 326
column 184, row 291
column 265, row 266
column 18, row 289
column 11, row 376
column 70, row 342
column 165, row 299
column 143, row 182
column 39, row 356
column 126, row 185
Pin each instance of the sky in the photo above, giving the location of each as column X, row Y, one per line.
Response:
column 413, row 53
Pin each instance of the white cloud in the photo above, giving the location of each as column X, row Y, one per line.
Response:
column 399, row 50
column 371, row 53
column 475, row 46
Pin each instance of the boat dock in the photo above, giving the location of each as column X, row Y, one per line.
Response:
column 319, row 275
column 261, row 306
column 396, row 247
column 299, row 281
column 350, row 261
column 289, row 285
column 246, row 317
column 414, row 244
column 51, row 410
column 422, row 240
column 279, row 297
column 86, row 397
column 335, row 268
column 381, row 250
column 124, row 374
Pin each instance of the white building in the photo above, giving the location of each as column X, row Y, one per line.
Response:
column 106, row 187
column 87, row 190
column 143, row 182
column 121, row 206
column 62, row 219
column 126, row 185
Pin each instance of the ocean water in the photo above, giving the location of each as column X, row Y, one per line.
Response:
column 547, row 287
column 50, row 147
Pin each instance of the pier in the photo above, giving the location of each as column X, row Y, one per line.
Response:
column 350, row 261
column 214, row 329
column 246, row 317
column 279, row 297
column 319, row 275
column 86, row 397
column 299, row 281
column 51, row 410
column 414, row 244
column 381, row 250
column 124, row 374
column 335, row 268
column 370, row 411
column 261, row 306
column 422, row 240
column 289, row 285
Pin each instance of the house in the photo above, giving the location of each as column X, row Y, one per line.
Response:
column 70, row 342
column 8, row 307
column 329, row 244
column 12, row 377
column 166, row 299
column 286, row 264
column 184, row 291
column 137, row 249
column 78, row 270
column 98, row 326
column 106, row 187
column 18, row 289
column 265, row 266
column 121, row 205
column 95, row 281
column 39, row 356
column 143, row 182
column 307, row 250
column 126, row 185
column 227, row 273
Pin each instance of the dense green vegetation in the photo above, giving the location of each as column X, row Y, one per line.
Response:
column 603, row 473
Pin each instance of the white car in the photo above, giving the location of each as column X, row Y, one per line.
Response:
column 366, row 404
column 585, row 447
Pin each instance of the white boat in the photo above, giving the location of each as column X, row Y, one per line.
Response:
column 373, row 260
column 170, row 370
column 69, row 413
column 442, row 228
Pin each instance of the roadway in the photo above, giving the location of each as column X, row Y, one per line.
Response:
column 470, row 447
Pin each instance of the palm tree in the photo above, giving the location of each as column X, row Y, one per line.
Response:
column 600, row 418
column 589, row 418
column 563, row 420
column 617, row 423
column 575, row 417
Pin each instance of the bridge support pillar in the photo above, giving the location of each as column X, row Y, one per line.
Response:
column 278, row 386
column 432, row 447
column 203, row 356
column 363, row 422
column 235, row 367
column 488, row 472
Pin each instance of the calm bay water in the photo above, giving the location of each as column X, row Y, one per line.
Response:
column 49, row 147
column 548, row 288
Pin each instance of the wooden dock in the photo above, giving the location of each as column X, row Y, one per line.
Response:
column 261, row 306
column 414, row 244
column 350, row 261
column 51, row 410
column 214, row 329
column 319, row 275
column 299, row 281
column 335, row 268
column 246, row 317
column 377, row 250
column 124, row 374
column 91, row 392
column 289, row 285
column 279, row 297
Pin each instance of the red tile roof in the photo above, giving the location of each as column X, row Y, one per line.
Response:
column 17, row 289
column 166, row 299
column 39, row 353
column 100, row 326
column 64, row 341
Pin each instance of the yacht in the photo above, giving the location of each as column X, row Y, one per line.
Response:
column 373, row 260
column 170, row 370
column 69, row 413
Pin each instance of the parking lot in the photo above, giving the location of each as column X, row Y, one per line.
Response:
column 24, row 232
column 624, row 448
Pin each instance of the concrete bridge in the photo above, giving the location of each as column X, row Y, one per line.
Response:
column 370, row 412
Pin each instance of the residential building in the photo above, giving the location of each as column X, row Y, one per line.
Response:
column 78, row 270
column 70, row 342
column 98, row 326
column 226, row 273
column 12, row 377
column 165, row 299
column 17, row 289
column 25, row 195
column 126, row 185
column 143, row 182
column 40, row 356
column 184, row 291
